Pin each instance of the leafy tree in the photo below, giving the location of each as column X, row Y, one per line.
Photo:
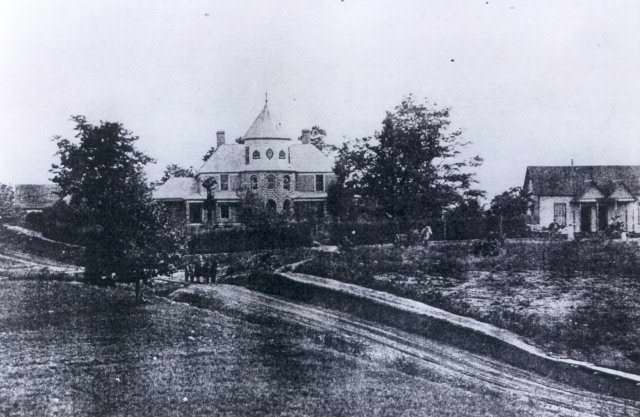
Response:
column 127, row 235
column 508, row 212
column 176, row 171
column 466, row 220
column 7, row 203
column 254, row 212
column 412, row 169
column 317, row 139
column 512, row 202
column 208, row 154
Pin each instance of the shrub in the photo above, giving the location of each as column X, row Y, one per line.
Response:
column 235, row 240
column 365, row 233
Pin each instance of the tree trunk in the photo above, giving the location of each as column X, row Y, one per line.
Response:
column 139, row 291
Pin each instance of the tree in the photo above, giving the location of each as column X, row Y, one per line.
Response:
column 508, row 212
column 412, row 169
column 7, row 203
column 254, row 212
column 127, row 235
column 208, row 154
column 317, row 138
column 466, row 220
column 176, row 171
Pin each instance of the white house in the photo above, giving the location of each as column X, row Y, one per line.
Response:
column 584, row 198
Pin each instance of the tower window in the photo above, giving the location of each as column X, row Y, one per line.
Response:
column 256, row 155
column 320, row 182
column 282, row 155
column 254, row 182
column 269, row 153
column 271, row 181
column 286, row 182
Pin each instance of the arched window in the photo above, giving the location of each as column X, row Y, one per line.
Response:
column 254, row 182
column 269, row 153
column 256, row 155
column 286, row 182
column 271, row 181
column 286, row 206
column 271, row 206
column 282, row 155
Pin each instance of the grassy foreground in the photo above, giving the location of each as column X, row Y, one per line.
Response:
column 73, row 350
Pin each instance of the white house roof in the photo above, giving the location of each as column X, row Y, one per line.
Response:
column 178, row 188
column 263, row 127
column 301, row 158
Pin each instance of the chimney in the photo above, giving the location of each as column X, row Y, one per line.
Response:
column 306, row 136
column 220, row 138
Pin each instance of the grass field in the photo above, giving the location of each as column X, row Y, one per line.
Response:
column 73, row 350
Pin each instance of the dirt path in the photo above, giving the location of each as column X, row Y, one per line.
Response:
column 454, row 366
column 461, row 321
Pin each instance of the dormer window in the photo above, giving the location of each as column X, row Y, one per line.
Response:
column 282, row 155
column 256, row 155
column 269, row 153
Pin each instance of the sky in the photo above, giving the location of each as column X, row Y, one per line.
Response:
column 529, row 83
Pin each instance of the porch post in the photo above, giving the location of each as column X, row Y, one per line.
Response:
column 597, row 216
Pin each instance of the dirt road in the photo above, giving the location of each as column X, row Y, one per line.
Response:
column 423, row 356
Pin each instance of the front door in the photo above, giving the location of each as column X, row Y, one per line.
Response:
column 585, row 219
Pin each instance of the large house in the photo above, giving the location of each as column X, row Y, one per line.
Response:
column 584, row 198
column 288, row 176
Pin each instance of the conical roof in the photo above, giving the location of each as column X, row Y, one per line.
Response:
column 263, row 127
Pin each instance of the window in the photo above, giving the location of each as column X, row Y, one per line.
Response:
column 269, row 153
column 254, row 182
column 271, row 206
column 256, row 155
column 282, row 155
column 224, row 211
column 320, row 182
column 271, row 181
column 560, row 213
column 224, row 182
column 195, row 213
column 286, row 182
column 286, row 206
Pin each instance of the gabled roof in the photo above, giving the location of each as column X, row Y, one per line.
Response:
column 301, row 158
column 263, row 127
column 179, row 188
column 574, row 181
column 621, row 192
column 591, row 193
column 35, row 196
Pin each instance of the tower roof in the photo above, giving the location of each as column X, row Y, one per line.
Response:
column 263, row 127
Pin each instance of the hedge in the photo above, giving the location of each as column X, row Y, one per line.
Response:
column 237, row 240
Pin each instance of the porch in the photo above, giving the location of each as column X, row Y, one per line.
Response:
column 598, row 215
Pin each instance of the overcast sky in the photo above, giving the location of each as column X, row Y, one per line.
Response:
column 529, row 82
